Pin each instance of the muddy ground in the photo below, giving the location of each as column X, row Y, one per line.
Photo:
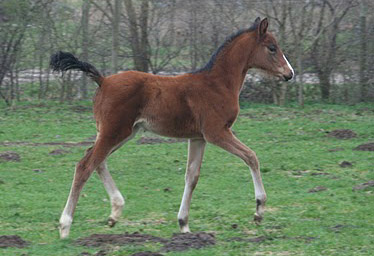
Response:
column 9, row 156
column 365, row 185
column 178, row 242
column 365, row 147
column 343, row 134
column 12, row 241
column 157, row 140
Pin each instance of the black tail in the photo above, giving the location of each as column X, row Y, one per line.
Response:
column 63, row 61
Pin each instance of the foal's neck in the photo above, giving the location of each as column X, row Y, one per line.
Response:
column 231, row 66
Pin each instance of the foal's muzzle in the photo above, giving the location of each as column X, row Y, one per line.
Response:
column 288, row 77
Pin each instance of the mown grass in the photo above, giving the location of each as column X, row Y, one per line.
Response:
column 291, row 144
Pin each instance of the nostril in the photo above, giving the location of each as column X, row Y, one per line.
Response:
column 289, row 77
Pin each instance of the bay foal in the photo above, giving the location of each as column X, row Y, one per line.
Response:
column 201, row 106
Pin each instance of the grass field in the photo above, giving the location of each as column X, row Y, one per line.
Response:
column 295, row 156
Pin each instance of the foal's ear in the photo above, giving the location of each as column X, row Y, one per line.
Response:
column 257, row 21
column 263, row 27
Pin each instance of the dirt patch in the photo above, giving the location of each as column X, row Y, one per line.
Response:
column 261, row 239
column 156, row 140
column 178, row 242
column 147, row 254
column 317, row 189
column 12, row 241
column 306, row 239
column 81, row 109
column 336, row 149
column 9, row 156
column 37, row 144
column 57, row 152
column 365, row 147
column 338, row 228
column 182, row 242
column 319, row 173
column 99, row 253
column 343, row 134
column 258, row 239
column 97, row 240
column 346, row 164
column 91, row 138
column 364, row 185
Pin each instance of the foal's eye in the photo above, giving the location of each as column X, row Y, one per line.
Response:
column 272, row 48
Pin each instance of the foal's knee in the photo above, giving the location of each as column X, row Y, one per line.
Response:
column 251, row 160
column 83, row 170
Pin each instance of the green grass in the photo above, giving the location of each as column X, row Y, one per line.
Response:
column 291, row 144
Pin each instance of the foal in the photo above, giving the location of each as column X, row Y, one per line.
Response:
column 201, row 106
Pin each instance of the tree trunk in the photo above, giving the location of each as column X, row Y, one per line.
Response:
column 300, row 94
column 144, row 58
column 325, row 85
column 134, row 33
column 41, row 50
column 115, row 35
column 363, row 52
column 192, row 23
column 85, row 38
column 17, row 82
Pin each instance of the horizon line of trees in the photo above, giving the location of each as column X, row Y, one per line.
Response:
column 323, row 37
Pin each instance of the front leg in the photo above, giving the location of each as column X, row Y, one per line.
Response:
column 226, row 140
column 195, row 156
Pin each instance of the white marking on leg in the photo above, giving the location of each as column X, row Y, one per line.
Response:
column 65, row 223
column 195, row 156
column 260, row 193
column 67, row 214
column 230, row 143
column 116, row 198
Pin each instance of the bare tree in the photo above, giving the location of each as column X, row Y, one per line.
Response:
column 277, row 11
column 13, row 28
column 166, row 42
column 85, row 43
column 138, row 23
column 363, row 51
column 301, row 20
column 324, row 45
column 115, row 33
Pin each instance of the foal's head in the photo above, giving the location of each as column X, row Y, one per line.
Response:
column 267, row 55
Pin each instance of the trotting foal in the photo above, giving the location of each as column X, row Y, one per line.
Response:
column 201, row 106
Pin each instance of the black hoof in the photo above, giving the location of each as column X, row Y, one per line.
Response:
column 111, row 222
column 257, row 219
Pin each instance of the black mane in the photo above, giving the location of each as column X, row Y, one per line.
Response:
column 228, row 40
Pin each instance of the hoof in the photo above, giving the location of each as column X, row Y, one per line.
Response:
column 183, row 226
column 64, row 232
column 257, row 219
column 111, row 222
column 185, row 229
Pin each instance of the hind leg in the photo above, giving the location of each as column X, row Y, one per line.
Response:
column 116, row 199
column 94, row 158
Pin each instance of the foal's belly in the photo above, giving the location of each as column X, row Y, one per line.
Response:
column 176, row 128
